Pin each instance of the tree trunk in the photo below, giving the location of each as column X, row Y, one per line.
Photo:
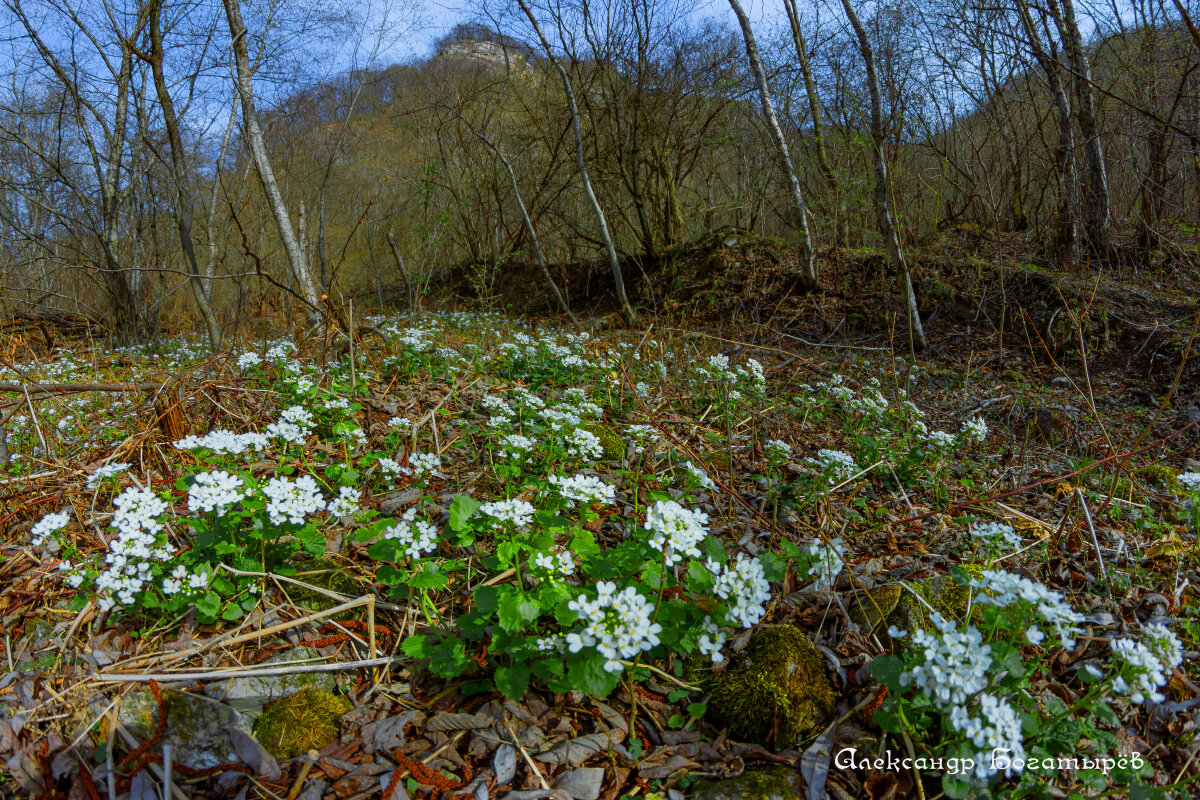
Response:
column 262, row 165
column 602, row 223
column 841, row 222
column 408, row 287
column 185, row 205
column 886, row 227
column 808, row 267
column 1067, row 233
column 1097, row 215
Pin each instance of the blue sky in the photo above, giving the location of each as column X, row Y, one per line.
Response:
column 443, row 15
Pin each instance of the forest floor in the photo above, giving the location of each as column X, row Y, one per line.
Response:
column 385, row 506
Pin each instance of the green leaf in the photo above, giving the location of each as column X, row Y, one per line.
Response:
column 589, row 676
column 512, row 681
column 414, row 646
column 515, row 609
column 774, row 567
column 209, row 604
column 448, row 658
column 887, row 670
column 583, row 544
column 390, row 575
column 699, row 579
column 312, row 540
column 232, row 612
column 697, row 710
column 462, row 509
column 487, row 598
column 428, row 576
column 715, row 549
column 383, row 550
column 1142, row 791
column 1105, row 714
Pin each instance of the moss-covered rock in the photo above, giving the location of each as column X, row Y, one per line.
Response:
column 614, row 446
column 775, row 691
column 777, row 782
column 1161, row 476
column 878, row 609
column 306, row 720
column 326, row 574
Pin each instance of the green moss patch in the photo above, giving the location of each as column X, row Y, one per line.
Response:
column 306, row 720
column 614, row 446
column 776, row 691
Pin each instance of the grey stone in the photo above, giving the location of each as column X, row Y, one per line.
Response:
column 249, row 694
column 197, row 727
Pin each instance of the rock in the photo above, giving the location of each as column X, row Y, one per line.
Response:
column 249, row 695
column 778, row 782
column 1061, row 381
column 306, row 720
column 197, row 727
column 907, row 612
column 775, row 691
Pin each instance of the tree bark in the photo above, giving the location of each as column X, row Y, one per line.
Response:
column 887, row 227
column 262, row 165
column 804, row 251
column 602, row 223
column 1067, row 233
column 1097, row 214
column 841, row 222
column 185, row 204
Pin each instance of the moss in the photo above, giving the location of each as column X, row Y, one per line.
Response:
column 776, row 692
column 1010, row 376
column 908, row 612
column 1160, row 475
column 306, row 720
column 326, row 574
column 777, row 782
column 613, row 445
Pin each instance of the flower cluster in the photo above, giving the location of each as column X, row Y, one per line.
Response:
column 955, row 663
column 675, row 530
column 416, row 537
column 106, row 471
column 777, row 452
column 584, row 489
column 712, row 639
column 743, row 585
column 215, row 491
column 584, row 444
column 295, row 425
column 1003, row 589
column 617, row 624
column 51, row 523
column 291, row 501
column 829, row 558
column 224, row 442
column 974, row 430
column 421, row 464
column 834, row 464
column 1149, row 662
column 346, row 502
column 560, row 562
column 996, row 534
column 517, row 513
column 1190, row 481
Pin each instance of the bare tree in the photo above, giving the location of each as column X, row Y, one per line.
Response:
column 602, row 223
column 262, row 165
column 887, row 227
column 185, row 205
column 804, row 250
